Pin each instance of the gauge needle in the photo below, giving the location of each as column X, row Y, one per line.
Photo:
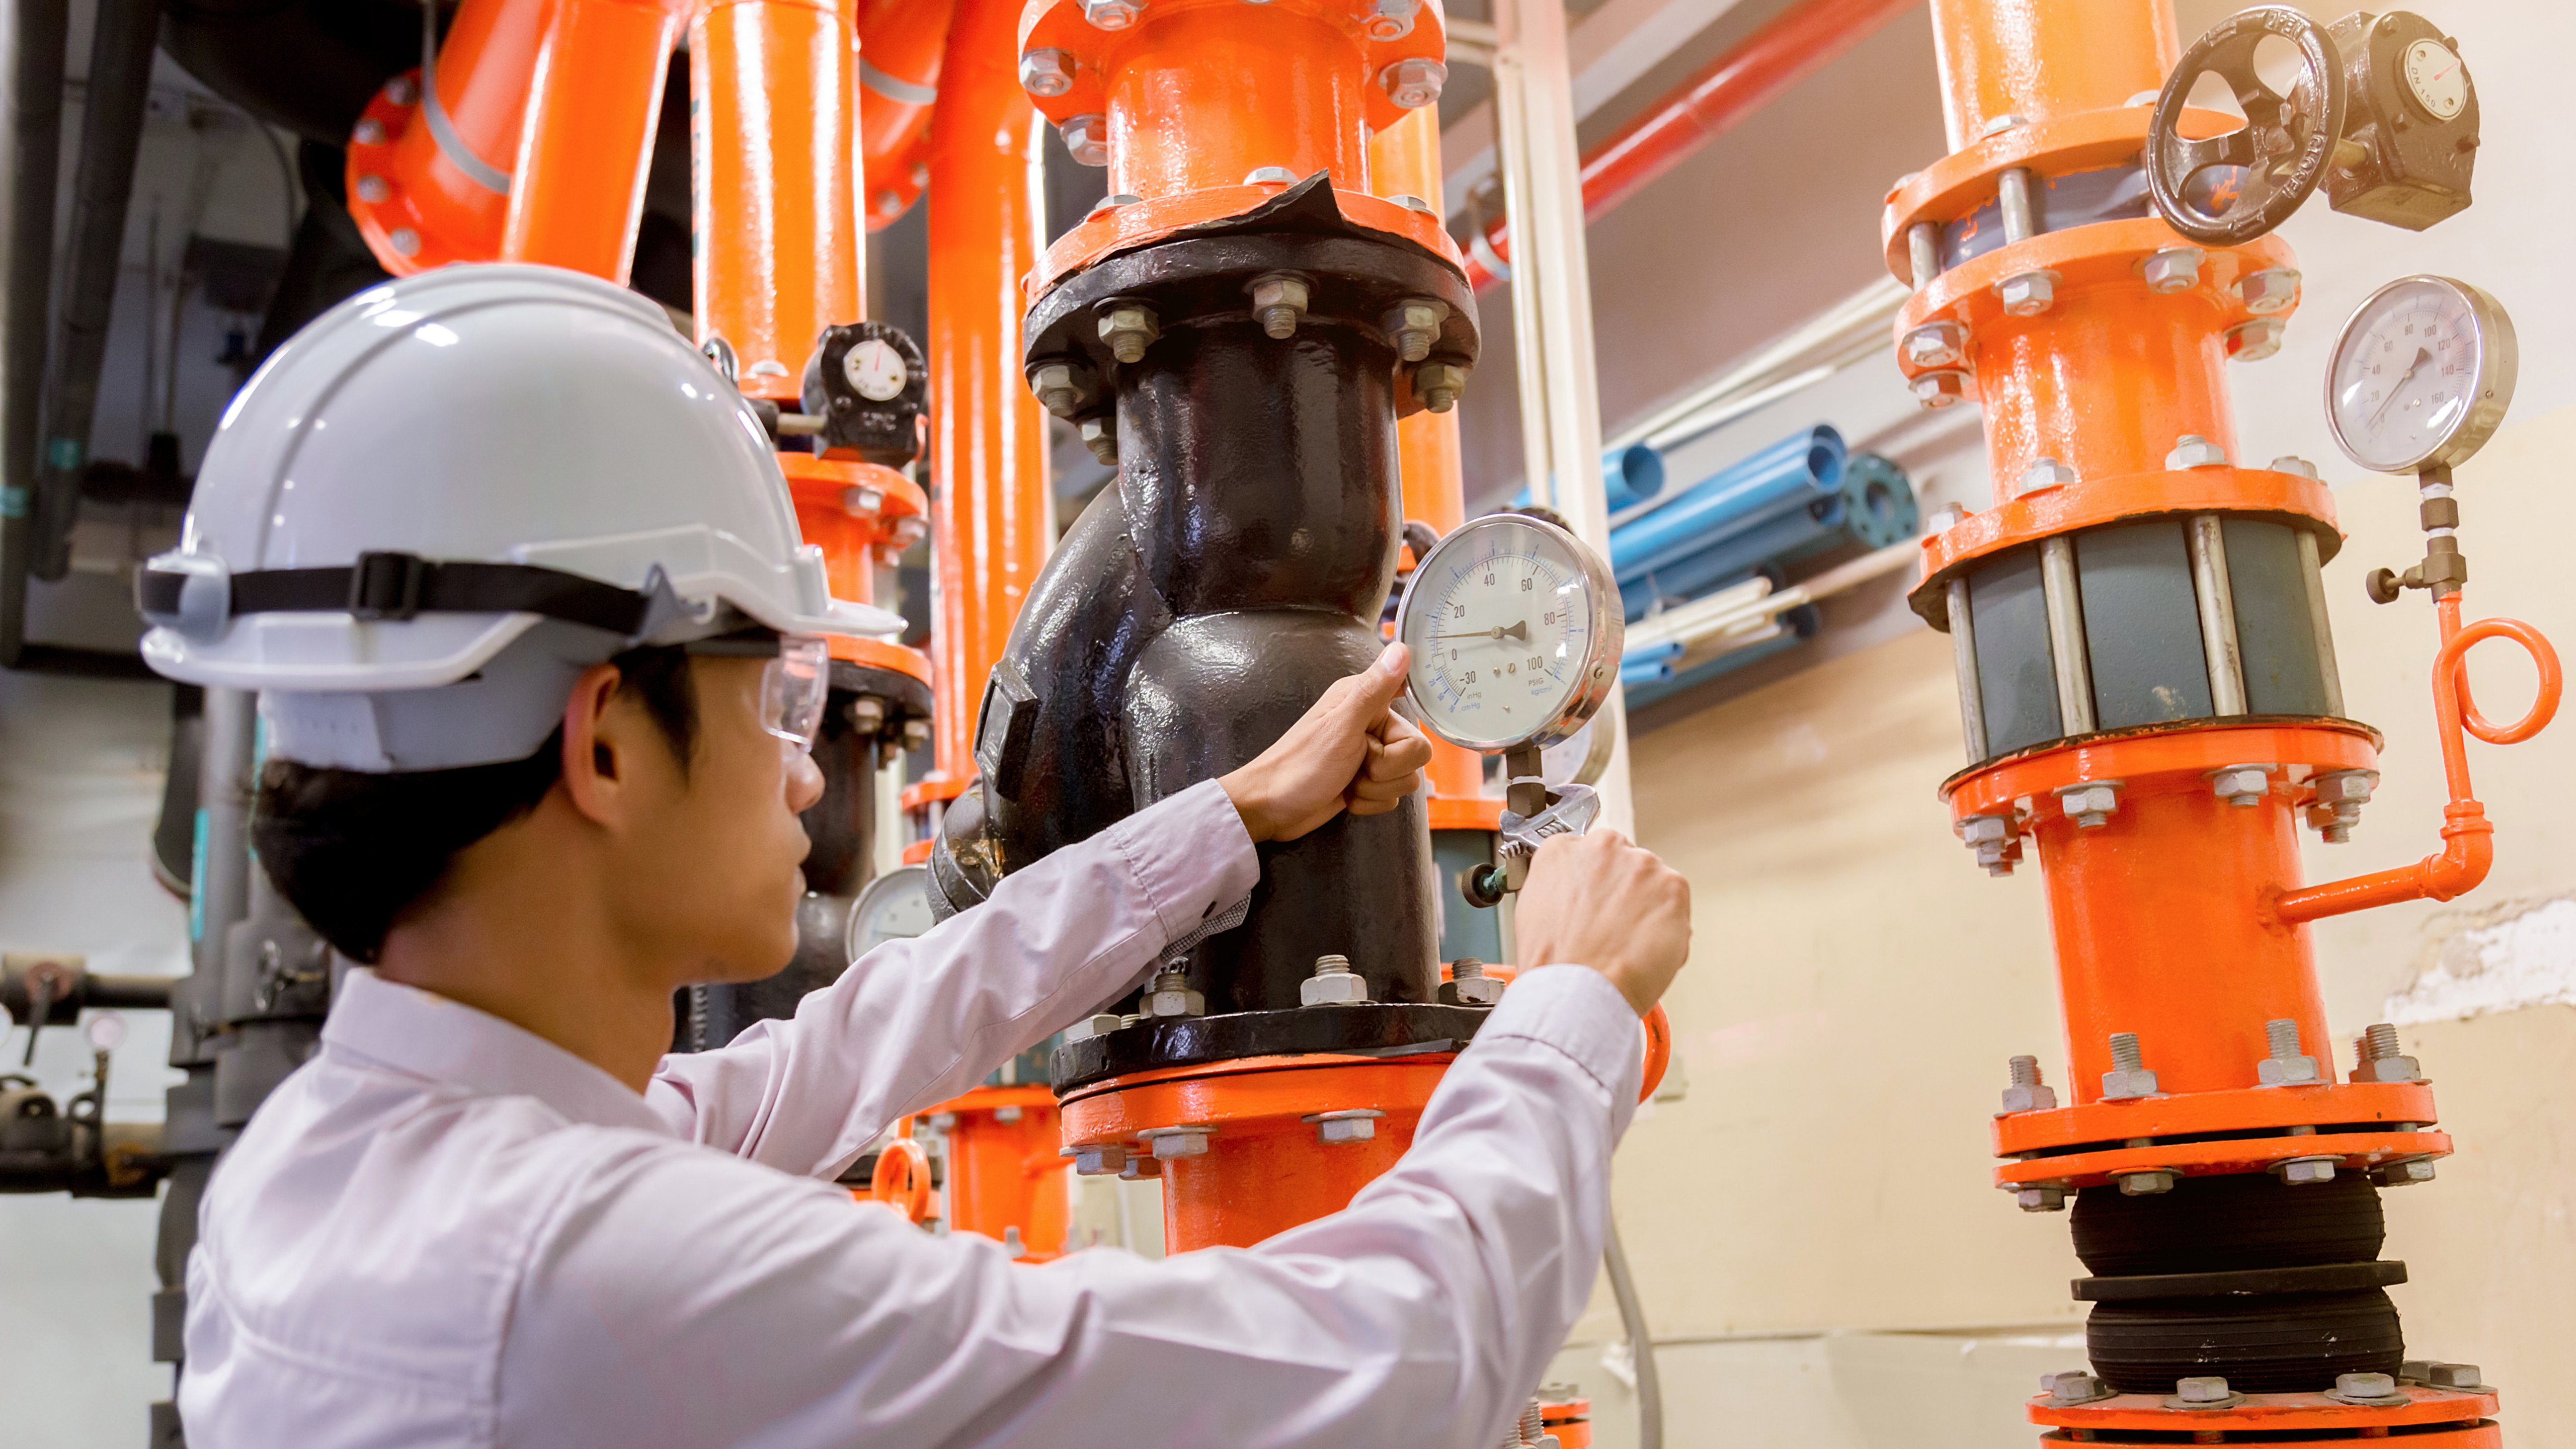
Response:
column 2382, row 411
column 1518, row 631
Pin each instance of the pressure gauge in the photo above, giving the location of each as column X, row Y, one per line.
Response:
column 2435, row 80
column 1515, row 627
column 894, row 907
column 2421, row 375
column 875, row 370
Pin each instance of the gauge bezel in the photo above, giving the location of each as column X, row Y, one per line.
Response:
column 1606, row 629
column 874, row 896
column 2498, row 363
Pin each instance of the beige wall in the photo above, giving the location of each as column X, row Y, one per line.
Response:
column 1817, row 1243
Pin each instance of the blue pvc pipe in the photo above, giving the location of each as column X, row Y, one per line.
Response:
column 1646, row 654
column 1629, row 476
column 1644, row 671
column 1802, row 469
column 1734, row 556
column 1796, row 627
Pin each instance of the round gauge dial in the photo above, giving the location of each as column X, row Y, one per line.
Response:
column 2436, row 79
column 1514, row 626
column 875, row 370
column 2421, row 375
column 894, row 907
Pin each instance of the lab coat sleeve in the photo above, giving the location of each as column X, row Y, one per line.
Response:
column 916, row 1022
column 686, row 1298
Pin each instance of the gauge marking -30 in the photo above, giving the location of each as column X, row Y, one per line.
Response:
column 1515, row 629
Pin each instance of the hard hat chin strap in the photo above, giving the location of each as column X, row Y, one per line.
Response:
column 175, row 592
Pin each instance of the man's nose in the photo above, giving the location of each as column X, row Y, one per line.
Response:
column 804, row 781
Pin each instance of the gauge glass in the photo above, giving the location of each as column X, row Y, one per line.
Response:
column 894, row 907
column 2421, row 375
column 1514, row 630
column 2434, row 75
column 875, row 370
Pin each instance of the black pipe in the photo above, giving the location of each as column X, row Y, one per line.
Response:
column 35, row 164
column 120, row 82
column 309, row 66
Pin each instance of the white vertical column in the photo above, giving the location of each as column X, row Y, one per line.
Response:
column 1552, row 308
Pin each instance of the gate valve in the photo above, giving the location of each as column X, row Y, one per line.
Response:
column 867, row 386
column 2227, row 190
column 2410, row 133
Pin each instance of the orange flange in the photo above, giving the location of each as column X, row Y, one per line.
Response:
column 1258, row 1144
column 2330, row 1418
column 901, row 46
column 2483, row 1435
column 2348, row 1151
column 2247, row 1109
column 429, row 185
column 1005, row 1176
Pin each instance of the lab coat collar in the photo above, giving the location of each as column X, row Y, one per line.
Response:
column 422, row 1034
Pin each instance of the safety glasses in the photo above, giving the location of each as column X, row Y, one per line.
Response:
column 794, row 683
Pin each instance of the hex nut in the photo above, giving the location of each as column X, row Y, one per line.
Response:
column 2453, row 1376
column 1061, row 387
column 1269, row 176
column 2076, row 1387
column 1439, row 383
column 2209, row 1390
column 1129, row 328
column 2175, row 269
column 1985, row 829
column 2027, row 294
column 2242, row 786
column 1413, row 83
column 2300, row 1171
column 1086, row 138
column 2191, row 450
column 2045, row 473
column 1414, row 323
column 404, row 241
column 1939, row 388
column 1171, row 1142
column 1140, row 1166
column 2270, row 290
column 2404, row 1174
column 1110, row 14
column 2367, row 1389
column 2146, row 1184
column 1936, row 344
column 2041, row 1199
column 2090, row 806
column 2128, row 1084
column 399, row 91
column 2390, row 1069
column 2037, row 1097
column 1390, row 19
column 1100, row 1159
column 368, row 132
column 1477, row 990
column 1357, row 1124
column 2293, row 463
column 2345, row 787
column 1171, row 995
column 2255, row 340
column 373, row 189
column 2298, row 1071
column 1279, row 299
column 1101, row 1024
column 1343, row 987
column 1006, row 1114
column 1046, row 72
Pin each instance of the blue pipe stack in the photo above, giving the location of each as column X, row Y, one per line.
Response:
column 1629, row 476
column 1658, row 680
column 1797, row 498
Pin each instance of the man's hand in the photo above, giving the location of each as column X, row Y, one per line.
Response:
column 1350, row 751
column 1595, row 900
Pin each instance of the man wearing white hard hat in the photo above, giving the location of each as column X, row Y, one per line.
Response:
column 540, row 652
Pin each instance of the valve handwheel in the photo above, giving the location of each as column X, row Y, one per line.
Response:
column 2283, row 149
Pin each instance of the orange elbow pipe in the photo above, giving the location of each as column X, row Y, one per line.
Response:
column 901, row 46
column 2468, row 837
column 421, row 198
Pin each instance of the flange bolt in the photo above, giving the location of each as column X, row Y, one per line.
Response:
column 1414, row 323
column 2175, row 269
column 1171, row 1142
column 1468, row 985
column 2254, row 340
column 1046, row 72
column 2045, row 473
column 2371, row 1390
column 1086, row 138
column 1100, row 435
column 2286, row 1066
column 2046, row 1198
column 2092, row 804
column 2242, row 786
column 2191, row 450
column 1110, row 14
column 1939, row 388
column 2128, row 1078
column 2073, row 1388
column 2027, row 294
column 1413, row 83
column 2270, row 290
column 1438, row 383
column 1171, row 995
column 1936, row 344
column 372, row 189
column 1333, row 984
column 2383, row 1058
column 2211, row 1390
column 1061, row 387
column 1129, row 328
column 1106, row 1159
column 1279, row 300
column 2027, row 1092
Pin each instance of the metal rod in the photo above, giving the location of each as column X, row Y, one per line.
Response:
column 1641, row 1341
column 1963, row 652
column 2312, row 573
column 2217, row 613
column 2012, row 197
column 35, row 164
column 2065, row 599
column 1923, row 247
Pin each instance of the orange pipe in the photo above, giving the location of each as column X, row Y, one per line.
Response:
column 1204, row 97
column 2042, row 382
column 990, row 516
column 586, row 146
column 2468, row 837
column 773, row 152
column 2041, row 59
column 485, row 63
column 1004, row 1170
column 1404, row 160
column 901, row 47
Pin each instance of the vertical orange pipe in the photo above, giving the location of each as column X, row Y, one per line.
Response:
column 1404, row 160
column 989, row 510
column 587, row 144
column 773, row 143
column 2041, row 59
column 1203, row 97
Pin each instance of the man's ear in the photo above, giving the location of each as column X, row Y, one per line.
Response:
column 597, row 759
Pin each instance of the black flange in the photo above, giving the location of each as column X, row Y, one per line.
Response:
column 1368, row 1028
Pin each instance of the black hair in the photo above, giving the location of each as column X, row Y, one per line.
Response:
column 352, row 851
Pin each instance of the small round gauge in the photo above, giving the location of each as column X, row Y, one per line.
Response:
column 2421, row 375
column 2436, row 79
column 894, row 907
column 875, row 370
column 1514, row 626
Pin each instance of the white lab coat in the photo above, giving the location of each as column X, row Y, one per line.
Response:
column 446, row 1231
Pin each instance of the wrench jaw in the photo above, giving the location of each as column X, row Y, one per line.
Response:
column 1571, row 809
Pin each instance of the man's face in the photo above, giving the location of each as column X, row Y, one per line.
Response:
column 709, row 877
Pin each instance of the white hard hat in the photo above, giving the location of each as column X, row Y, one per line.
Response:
column 446, row 496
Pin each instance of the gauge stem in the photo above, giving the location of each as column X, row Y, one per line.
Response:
column 1527, row 794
